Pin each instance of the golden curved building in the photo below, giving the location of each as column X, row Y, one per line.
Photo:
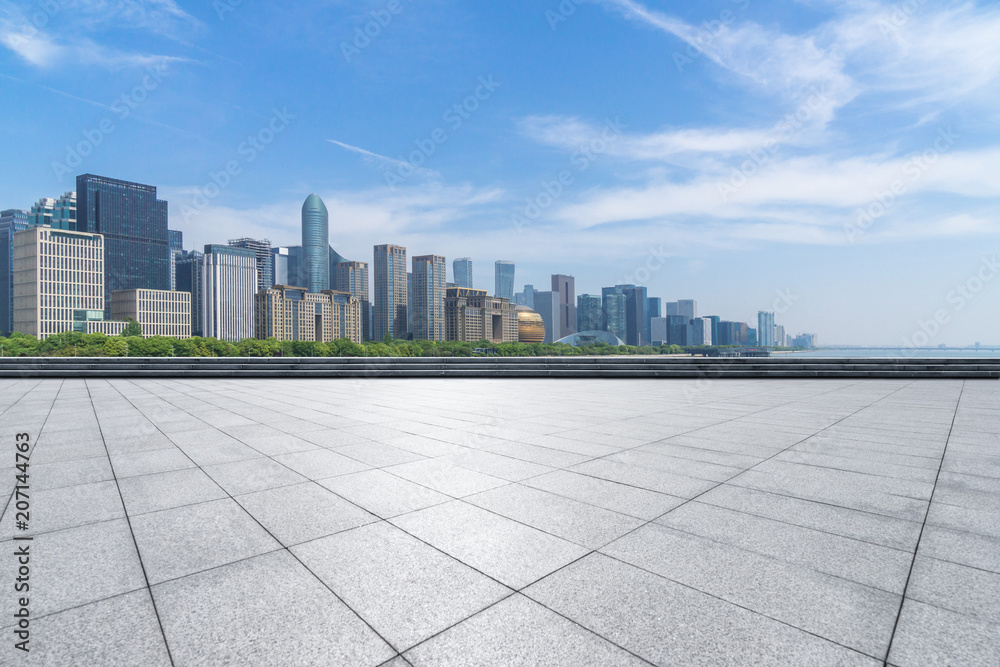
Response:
column 530, row 327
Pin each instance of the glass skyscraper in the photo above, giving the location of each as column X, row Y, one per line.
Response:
column 56, row 213
column 190, row 277
column 463, row 272
column 589, row 314
column 134, row 225
column 765, row 329
column 504, row 280
column 11, row 221
column 315, row 244
column 265, row 262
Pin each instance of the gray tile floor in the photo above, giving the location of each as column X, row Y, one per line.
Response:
column 507, row 522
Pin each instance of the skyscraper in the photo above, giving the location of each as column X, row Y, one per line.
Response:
column 56, row 213
column 589, row 316
column 428, row 297
column 504, row 279
column 765, row 329
column 190, row 277
column 687, row 308
column 463, row 272
column 565, row 286
column 634, row 323
column 547, row 305
column 315, row 244
column 715, row 320
column 525, row 298
column 613, row 307
column 11, row 222
column 409, row 304
column 230, row 285
column 175, row 244
column 390, row 296
column 133, row 223
column 265, row 261
column 655, row 307
column 352, row 278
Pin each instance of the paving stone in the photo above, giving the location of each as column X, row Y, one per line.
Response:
column 252, row 475
column 446, row 478
column 621, row 498
column 321, row 463
column 382, row 494
column 929, row 635
column 166, row 490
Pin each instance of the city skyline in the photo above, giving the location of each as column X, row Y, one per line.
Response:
column 775, row 181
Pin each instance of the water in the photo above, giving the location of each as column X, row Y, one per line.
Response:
column 898, row 353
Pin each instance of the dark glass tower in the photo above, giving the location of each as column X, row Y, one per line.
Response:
column 134, row 224
column 11, row 222
column 315, row 244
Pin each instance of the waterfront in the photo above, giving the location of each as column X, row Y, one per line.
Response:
column 896, row 353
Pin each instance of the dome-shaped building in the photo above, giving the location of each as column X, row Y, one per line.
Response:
column 530, row 327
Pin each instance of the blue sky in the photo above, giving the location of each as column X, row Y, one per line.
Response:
column 836, row 160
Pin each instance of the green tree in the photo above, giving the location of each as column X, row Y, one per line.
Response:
column 131, row 329
column 114, row 346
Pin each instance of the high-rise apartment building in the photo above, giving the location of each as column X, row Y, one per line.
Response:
column 565, row 286
column 352, row 277
column 315, row 244
column 472, row 315
column 429, row 284
column 158, row 312
column 589, row 313
column 56, row 213
column 11, row 222
column 390, row 295
column 765, row 329
column 230, row 286
column 133, row 223
column 56, row 272
column 504, row 279
column 265, row 261
column 190, row 277
column 293, row 313
column 462, row 269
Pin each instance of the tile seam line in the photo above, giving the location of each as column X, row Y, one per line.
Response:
column 923, row 526
column 128, row 521
column 6, row 504
column 281, row 545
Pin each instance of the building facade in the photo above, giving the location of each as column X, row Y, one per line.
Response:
column 429, row 285
column 472, row 315
column 189, row 270
column 352, row 277
column 503, row 277
column 589, row 314
column 315, row 244
column 699, row 331
column 56, row 213
column 230, row 286
column 613, row 307
column 765, row 329
column 547, row 305
column 56, row 272
column 265, row 262
column 462, row 270
column 158, row 312
column 565, row 286
column 525, row 298
column 11, row 222
column 133, row 223
column 175, row 244
column 390, row 294
column 293, row 313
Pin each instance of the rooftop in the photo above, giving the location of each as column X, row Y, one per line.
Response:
column 507, row 522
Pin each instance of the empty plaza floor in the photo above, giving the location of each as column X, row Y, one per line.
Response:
column 504, row 522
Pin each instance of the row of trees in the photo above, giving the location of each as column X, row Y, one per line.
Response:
column 73, row 343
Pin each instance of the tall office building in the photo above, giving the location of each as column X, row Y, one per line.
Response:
column 687, row 308
column 779, row 335
column 158, row 312
column 315, row 244
column 175, row 245
column 654, row 306
column 390, row 295
column 56, row 213
column 765, row 329
column 429, row 284
column 190, row 277
column 715, row 321
column 409, row 304
column 589, row 314
column 613, row 307
column 504, row 279
column 699, row 331
column 472, row 315
column 635, row 324
column 547, row 305
column 11, row 222
column 352, row 278
column 525, row 298
column 230, row 286
column 56, row 272
column 566, row 288
column 463, row 272
column 133, row 223
column 265, row 262
column 286, row 262
column 293, row 313
column 677, row 330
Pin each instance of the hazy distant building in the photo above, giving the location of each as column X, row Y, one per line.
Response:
column 525, row 298
column 547, row 306
column 699, row 331
column 472, row 315
column 133, row 223
column 658, row 331
column 565, row 286
column 677, row 330
column 804, row 340
column 390, row 294
column 230, row 286
column 752, row 336
column 613, row 307
column 158, row 312
column 294, row 314
column 687, row 308
column 765, row 329
column 462, row 269
column 589, row 313
column 715, row 320
column 634, row 323
column 315, row 244
column 189, row 269
column 654, row 306
column 56, row 272
column 779, row 335
column 265, row 261
column 504, row 279
column 352, row 277
column 428, row 297
column 11, row 222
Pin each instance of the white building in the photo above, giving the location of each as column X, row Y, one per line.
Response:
column 158, row 312
column 230, row 286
